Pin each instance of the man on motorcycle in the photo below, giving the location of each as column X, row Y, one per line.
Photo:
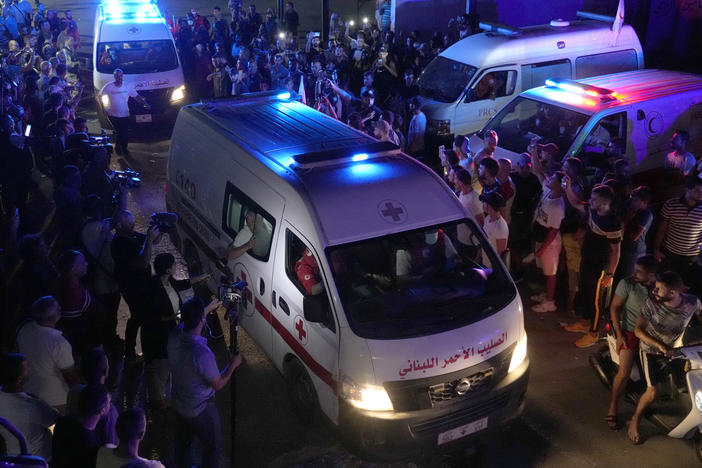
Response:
column 663, row 320
column 629, row 297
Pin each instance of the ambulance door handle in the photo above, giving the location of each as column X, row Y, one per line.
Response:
column 284, row 305
column 274, row 298
column 261, row 287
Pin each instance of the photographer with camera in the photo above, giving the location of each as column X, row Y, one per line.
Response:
column 160, row 321
column 196, row 378
column 131, row 252
column 118, row 94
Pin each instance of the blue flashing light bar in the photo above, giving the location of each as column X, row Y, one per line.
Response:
column 139, row 11
column 570, row 86
column 359, row 157
column 283, row 96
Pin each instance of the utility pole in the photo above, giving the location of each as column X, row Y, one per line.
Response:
column 325, row 22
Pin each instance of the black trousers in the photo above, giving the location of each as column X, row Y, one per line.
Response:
column 121, row 126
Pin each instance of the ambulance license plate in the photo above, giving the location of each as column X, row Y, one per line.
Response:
column 462, row 431
column 143, row 118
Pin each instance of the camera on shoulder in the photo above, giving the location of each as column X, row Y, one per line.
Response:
column 164, row 221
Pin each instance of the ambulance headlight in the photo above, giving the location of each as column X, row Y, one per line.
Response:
column 366, row 397
column 105, row 100
column 519, row 353
column 178, row 93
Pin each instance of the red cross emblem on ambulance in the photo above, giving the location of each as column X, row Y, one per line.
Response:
column 300, row 330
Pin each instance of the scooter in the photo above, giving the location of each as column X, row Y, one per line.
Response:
column 23, row 459
column 678, row 410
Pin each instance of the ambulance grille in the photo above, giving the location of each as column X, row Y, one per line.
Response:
column 440, row 391
column 446, row 391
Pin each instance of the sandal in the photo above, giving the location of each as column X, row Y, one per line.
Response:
column 635, row 437
column 612, row 422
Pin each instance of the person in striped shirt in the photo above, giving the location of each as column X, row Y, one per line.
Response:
column 679, row 235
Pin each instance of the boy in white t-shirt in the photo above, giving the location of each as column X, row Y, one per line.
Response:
column 495, row 226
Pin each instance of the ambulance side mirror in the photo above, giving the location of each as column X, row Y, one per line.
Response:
column 316, row 308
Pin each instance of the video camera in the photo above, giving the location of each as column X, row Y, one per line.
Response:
column 165, row 221
column 126, row 178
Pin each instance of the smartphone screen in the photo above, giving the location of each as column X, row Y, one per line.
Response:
column 27, row 130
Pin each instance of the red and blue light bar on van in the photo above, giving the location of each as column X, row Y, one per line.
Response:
column 134, row 11
column 603, row 94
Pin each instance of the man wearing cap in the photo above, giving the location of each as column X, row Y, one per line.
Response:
column 546, row 233
column 494, row 226
column 365, row 106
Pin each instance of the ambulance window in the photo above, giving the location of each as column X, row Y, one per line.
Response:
column 608, row 135
column 603, row 64
column 236, row 204
column 303, row 270
column 536, row 74
column 494, row 84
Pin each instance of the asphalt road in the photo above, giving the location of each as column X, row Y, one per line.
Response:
column 563, row 423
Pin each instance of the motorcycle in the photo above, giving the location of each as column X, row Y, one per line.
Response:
column 678, row 409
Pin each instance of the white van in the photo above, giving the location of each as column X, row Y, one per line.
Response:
column 638, row 111
column 471, row 80
column 412, row 340
column 133, row 35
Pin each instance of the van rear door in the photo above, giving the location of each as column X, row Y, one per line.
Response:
column 493, row 88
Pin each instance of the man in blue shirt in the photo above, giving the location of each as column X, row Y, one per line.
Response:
column 196, row 378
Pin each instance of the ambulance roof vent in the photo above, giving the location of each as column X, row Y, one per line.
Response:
column 499, row 28
column 338, row 156
column 559, row 23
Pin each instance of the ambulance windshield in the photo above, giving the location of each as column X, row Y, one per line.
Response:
column 419, row 282
column 523, row 119
column 444, row 79
column 136, row 57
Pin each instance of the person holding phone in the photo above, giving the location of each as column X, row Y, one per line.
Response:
column 245, row 239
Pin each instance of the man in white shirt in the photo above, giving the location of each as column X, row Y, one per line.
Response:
column 131, row 427
column 469, row 199
column 30, row 415
column 49, row 355
column 417, row 128
column 495, row 226
column 547, row 222
column 245, row 239
column 117, row 94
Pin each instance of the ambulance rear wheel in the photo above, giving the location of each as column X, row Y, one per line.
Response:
column 301, row 393
column 192, row 260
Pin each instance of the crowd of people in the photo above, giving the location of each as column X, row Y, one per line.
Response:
column 592, row 224
column 364, row 75
column 61, row 286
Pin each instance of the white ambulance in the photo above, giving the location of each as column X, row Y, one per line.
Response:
column 133, row 35
column 412, row 340
column 637, row 111
column 471, row 80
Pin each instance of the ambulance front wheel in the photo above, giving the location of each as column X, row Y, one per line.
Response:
column 301, row 392
column 698, row 447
